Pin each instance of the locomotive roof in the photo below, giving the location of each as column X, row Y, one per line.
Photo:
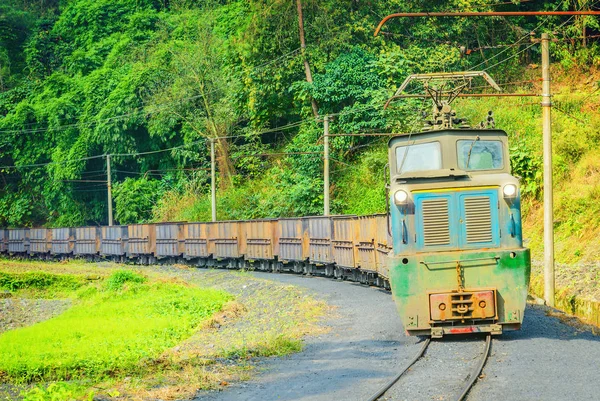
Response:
column 449, row 132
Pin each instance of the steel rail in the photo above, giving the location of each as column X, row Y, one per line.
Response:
column 465, row 390
column 483, row 14
column 475, row 374
column 385, row 388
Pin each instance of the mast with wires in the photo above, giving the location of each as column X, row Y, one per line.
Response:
column 109, row 188
column 213, row 190
column 548, row 193
column 326, row 166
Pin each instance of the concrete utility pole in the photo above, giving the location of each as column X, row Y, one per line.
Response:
column 548, row 192
column 213, row 191
column 326, row 166
column 109, row 185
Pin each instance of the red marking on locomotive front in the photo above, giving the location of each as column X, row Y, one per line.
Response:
column 464, row 330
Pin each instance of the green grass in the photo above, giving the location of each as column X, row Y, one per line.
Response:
column 115, row 328
column 58, row 391
column 270, row 345
column 271, row 320
column 36, row 283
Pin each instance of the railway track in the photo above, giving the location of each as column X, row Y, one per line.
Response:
column 470, row 380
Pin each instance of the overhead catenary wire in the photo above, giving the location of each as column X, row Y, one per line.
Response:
column 535, row 29
column 139, row 109
column 287, row 126
column 566, row 113
column 104, row 181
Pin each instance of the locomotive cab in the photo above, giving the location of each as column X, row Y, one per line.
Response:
column 458, row 263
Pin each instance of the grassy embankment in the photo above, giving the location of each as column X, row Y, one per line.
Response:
column 119, row 338
column 357, row 188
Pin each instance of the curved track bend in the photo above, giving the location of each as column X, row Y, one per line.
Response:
column 472, row 378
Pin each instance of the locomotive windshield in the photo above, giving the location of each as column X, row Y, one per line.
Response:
column 479, row 155
column 419, row 157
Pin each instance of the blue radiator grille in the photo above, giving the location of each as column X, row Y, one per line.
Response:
column 457, row 220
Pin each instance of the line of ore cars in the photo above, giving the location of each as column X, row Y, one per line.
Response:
column 349, row 247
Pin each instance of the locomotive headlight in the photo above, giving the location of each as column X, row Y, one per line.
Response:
column 509, row 190
column 400, row 197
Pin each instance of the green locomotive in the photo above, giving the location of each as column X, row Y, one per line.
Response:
column 458, row 263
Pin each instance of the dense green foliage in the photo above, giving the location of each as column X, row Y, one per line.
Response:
column 80, row 79
column 87, row 342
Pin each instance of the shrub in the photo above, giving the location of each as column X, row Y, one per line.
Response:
column 118, row 279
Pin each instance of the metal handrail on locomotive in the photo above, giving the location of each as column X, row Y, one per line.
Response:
column 458, row 263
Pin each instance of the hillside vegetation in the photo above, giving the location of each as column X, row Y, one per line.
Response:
column 152, row 82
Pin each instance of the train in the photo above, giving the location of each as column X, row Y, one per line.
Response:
column 450, row 247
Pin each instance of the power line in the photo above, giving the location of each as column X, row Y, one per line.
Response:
column 569, row 114
column 284, row 56
column 50, row 163
column 537, row 27
column 104, row 181
column 518, row 41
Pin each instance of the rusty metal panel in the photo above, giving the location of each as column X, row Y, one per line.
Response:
column 196, row 241
column 291, row 240
column 345, row 233
column 87, row 240
column 367, row 234
column 383, row 244
column 39, row 240
column 141, row 239
column 319, row 239
column 260, row 239
column 62, row 242
column 224, row 236
column 463, row 305
column 169, row 239
column 114, row 240
column 3, row 240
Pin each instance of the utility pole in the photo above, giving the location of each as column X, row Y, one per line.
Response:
column 213, row 191
column 548, row 192
column 109, row 185
column 326, row 166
